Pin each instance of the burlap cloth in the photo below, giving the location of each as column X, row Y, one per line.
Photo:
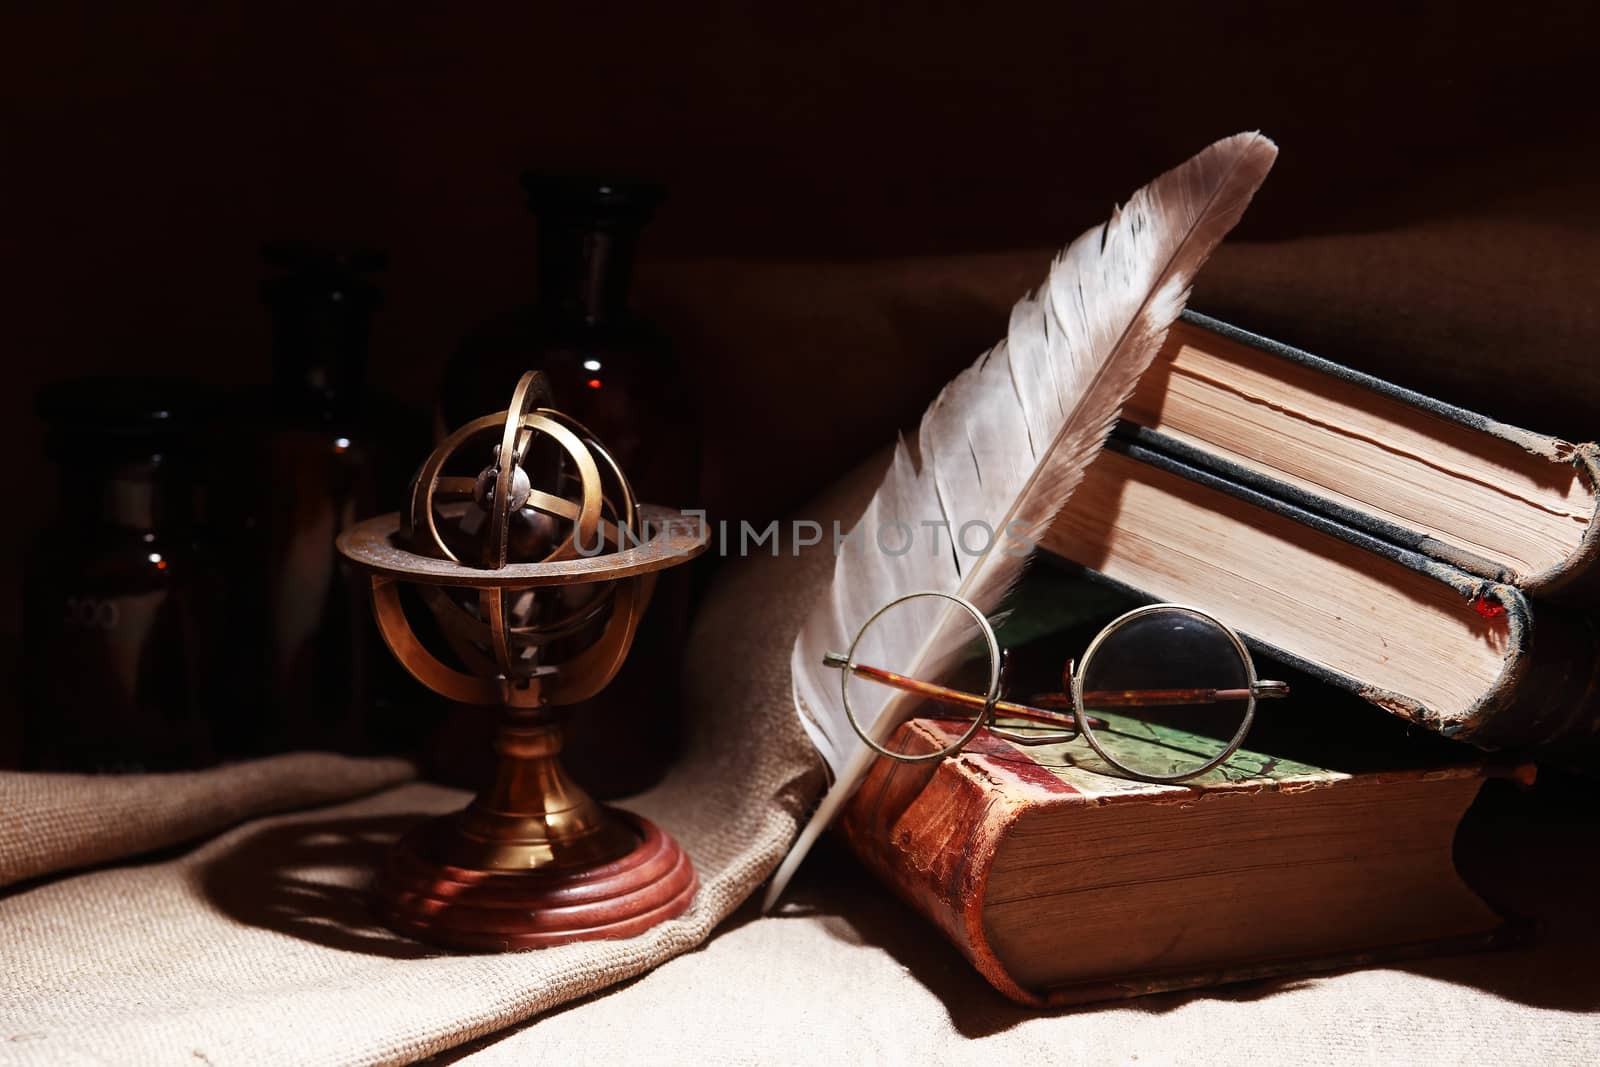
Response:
column 255, row 946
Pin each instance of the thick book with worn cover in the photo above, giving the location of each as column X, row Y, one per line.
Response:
column 1490, row 499
column 1064, row 885
column 1468, row 657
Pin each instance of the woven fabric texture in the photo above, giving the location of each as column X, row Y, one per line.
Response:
column 56, row 822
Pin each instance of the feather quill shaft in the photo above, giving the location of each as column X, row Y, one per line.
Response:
column 1008, row 440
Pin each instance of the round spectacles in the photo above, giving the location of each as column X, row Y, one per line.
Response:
column 1165, row 692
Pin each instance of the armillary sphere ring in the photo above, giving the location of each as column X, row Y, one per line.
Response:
column 671, row 537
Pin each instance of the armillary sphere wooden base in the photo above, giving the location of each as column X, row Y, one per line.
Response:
column 420, row 895
column 533, row 861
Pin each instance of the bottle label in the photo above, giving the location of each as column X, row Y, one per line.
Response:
column 113, row 690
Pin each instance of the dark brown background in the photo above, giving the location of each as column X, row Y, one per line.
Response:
column 1431, row 217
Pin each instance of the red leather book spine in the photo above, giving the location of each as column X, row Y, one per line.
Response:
column 931, row 830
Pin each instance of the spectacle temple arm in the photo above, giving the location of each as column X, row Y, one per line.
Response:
column 1150, row 698
column 1264, row 689
column 956, row 697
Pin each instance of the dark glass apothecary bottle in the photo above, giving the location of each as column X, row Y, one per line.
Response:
column 614, row 371
column 302, row 467
column 611, row 369
column 120, row 588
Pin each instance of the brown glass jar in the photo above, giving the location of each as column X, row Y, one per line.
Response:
column 615, row 372
column 301, row 465
column 611, row 369
column 121, row 592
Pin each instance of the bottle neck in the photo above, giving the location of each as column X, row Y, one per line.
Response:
column 319, row 360
column 585, row 270
column 143, row 494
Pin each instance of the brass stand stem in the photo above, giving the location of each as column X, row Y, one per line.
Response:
column 534, row 816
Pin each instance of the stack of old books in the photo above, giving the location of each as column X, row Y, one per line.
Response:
column 1392, row 552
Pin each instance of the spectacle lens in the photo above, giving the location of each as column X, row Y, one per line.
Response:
column 1173, row 686
column 925, row 656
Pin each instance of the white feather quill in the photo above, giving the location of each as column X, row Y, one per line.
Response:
column 1008, row 440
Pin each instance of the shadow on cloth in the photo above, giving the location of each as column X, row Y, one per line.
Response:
column 836, row 891
column 310, row 880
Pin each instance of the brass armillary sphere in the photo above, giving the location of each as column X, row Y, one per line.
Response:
column 533, row 557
